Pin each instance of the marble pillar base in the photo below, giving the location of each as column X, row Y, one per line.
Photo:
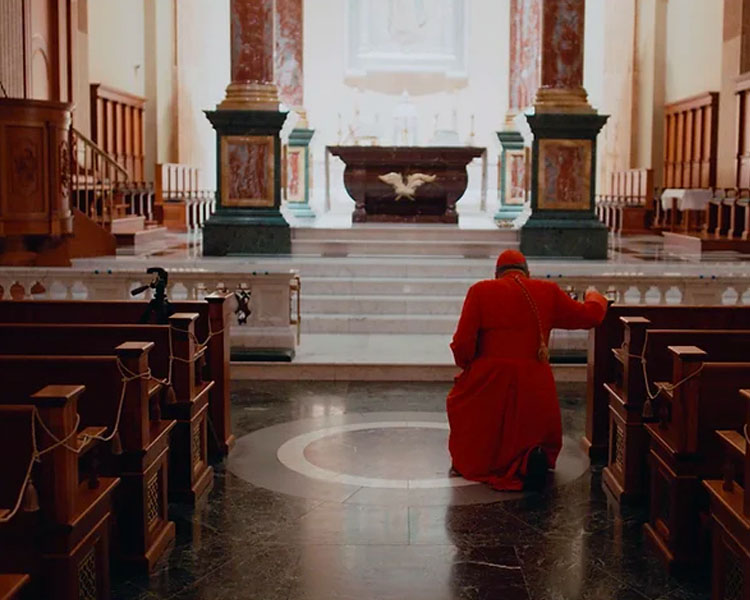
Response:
column 574, row 238
column 247, row 219
column 563, row 180
column 236, row 232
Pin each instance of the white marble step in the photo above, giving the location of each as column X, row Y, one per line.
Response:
column 395, row 232
column 405, row 305
column 372, row 247
column 397, row 268
column 374, row 323
column 389, row 286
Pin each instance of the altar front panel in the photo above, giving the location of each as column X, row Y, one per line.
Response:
column 405, row 184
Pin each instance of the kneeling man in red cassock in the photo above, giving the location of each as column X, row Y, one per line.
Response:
column 505, row 427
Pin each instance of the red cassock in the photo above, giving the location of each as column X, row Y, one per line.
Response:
column 504, row 402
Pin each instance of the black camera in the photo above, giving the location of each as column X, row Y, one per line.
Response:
column 158, row 307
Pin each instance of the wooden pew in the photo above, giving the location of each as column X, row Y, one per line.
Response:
column 144, row 530
column 190, row 475
column 12, row 585
column 730, row 515
column 601, row 363
column 211, row 327
column 684, row 449
column 624, row 475
column 65, row 544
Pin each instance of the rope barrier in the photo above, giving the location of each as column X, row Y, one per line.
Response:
column 670, row 387
column 36, row 454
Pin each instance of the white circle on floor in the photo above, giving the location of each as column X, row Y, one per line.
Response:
column 292, row 455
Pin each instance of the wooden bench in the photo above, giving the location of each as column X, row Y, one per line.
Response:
column 144, row 530
column 12, row 585
column 624, row 475
column 628, row 209
column 211, row 327
column 730, row 514
column 64, row 545
column 700, row 398
column 602, row 364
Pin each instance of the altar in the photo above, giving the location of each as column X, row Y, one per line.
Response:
column 405, row 184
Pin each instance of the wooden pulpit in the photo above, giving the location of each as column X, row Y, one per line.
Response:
column 35, row 178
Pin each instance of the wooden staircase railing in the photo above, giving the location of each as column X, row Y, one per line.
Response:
column 97, row 181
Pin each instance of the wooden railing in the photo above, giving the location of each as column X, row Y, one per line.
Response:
column 628, row 207
column 117, row 119
column 180, row 203
column 96, row 181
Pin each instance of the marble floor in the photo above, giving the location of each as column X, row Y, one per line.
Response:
column 340, row 490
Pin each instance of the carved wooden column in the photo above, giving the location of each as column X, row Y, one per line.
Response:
column 563, row 158
column 247, row 123
column 523, row 81
column 290, row 79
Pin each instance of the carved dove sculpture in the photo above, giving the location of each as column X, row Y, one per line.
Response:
column 406, row 189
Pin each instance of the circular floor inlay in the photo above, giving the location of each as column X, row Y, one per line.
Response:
column 386, row 458
column 292, row 455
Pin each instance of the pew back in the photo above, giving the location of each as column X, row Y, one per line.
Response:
column 23, row 375
column 84, row 339
column 601, row 367
column 16, row 445
column 722, row 345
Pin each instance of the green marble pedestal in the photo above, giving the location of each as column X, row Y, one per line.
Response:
column 248, row 154
column 563, row 182
column 298, row 173
column 512, row 177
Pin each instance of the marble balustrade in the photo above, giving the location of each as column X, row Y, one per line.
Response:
column 272, row 297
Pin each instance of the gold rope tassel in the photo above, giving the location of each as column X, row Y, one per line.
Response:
column 30, row 498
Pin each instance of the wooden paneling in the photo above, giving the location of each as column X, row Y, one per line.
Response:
column 12, row 48
column 690, row 134
column 117, row 119
column 742, row 167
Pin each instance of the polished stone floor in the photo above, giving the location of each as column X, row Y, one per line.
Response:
column 246, row 541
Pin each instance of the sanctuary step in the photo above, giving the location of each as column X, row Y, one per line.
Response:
column 374, row 357
column 402, row 240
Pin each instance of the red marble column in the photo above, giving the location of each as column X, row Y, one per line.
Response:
column 562, row 57
column 289, row 52
column 252, row 52
column 525, row 53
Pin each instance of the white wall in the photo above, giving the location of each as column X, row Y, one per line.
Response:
column 593, row 51
column 117, row 44
column 694, row 42
column 329, row 92
column 203, row 75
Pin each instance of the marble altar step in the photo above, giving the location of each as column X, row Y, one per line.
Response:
column 378, row 323
column 388, row 286
column 405, row 233
column 404, row 305
column 339, row 247
column 372, row 357
column 402, row 240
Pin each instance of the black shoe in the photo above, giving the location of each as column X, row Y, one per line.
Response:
column 536, row 470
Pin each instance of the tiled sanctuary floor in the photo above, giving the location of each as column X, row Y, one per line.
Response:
column 248, row 542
